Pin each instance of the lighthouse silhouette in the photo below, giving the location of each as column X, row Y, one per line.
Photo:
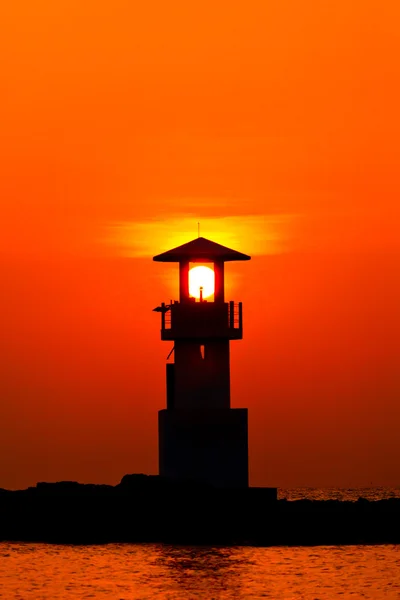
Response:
column 201, row 438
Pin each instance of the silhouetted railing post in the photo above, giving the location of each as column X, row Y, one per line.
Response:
column 231, row 314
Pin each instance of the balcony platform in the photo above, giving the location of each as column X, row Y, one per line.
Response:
column 202, row 321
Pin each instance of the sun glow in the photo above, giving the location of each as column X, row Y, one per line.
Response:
column 201, row 277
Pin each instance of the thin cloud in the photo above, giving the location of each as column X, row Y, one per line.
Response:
column 254, row 234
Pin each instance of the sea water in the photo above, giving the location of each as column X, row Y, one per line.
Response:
column 348, row 494
column 163, row 572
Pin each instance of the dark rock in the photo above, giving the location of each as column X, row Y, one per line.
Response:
column 148, row 508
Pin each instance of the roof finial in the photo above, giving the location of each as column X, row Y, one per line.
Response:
column 198, row 229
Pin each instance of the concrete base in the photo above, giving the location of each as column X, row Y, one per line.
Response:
column 204, row 445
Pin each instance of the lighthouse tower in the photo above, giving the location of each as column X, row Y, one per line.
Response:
column 201, row 438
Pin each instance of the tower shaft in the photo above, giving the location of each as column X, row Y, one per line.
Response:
column 201, row 377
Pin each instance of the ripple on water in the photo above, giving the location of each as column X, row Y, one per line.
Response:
column 349, row 494
column 133, row 572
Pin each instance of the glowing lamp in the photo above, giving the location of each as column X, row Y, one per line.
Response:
column 201, row 282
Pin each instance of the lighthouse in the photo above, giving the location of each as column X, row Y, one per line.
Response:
column 201, row 438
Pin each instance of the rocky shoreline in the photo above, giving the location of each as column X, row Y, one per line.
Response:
column 148, row 509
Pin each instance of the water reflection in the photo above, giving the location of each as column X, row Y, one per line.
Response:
column 204, row 568
column 154, row 571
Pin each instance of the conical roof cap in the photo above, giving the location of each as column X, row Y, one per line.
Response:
column 200, row 250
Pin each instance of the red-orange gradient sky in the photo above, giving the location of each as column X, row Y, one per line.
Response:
column 125, row 123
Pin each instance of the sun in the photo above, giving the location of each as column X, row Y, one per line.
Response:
column 201, row 277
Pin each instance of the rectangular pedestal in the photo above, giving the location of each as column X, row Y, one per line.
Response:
column 208, row 446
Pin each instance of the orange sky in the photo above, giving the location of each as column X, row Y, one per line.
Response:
column 125, row 123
